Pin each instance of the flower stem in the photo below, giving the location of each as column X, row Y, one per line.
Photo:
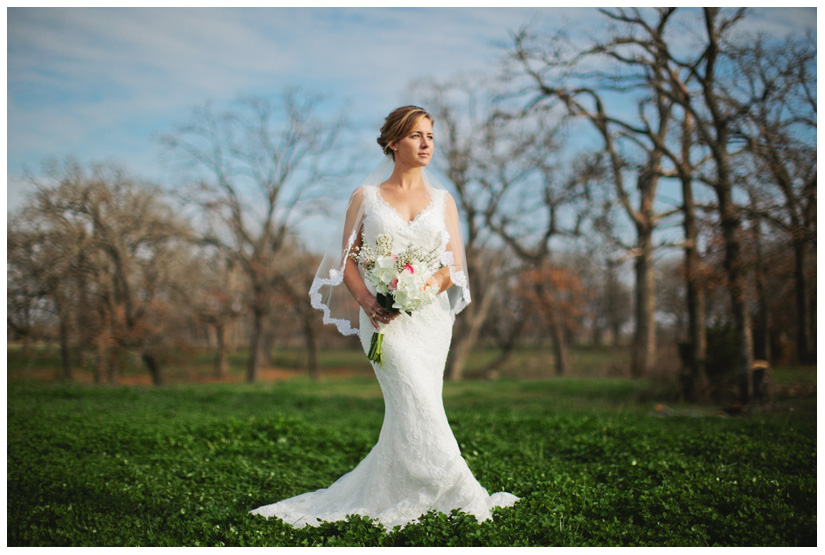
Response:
column 374, row 353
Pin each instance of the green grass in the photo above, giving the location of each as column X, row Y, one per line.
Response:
column 593, row 460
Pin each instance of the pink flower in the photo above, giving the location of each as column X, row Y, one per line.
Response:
column 394, row 256
column 410, row 268
column 393, row 285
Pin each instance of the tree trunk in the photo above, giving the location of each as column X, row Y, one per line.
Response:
column 734, row 267
column 697, row 335
column 100, row 360
column 597, row 337
column 812, row 321
column 728, row 213
column 507, row 346
column 560, row 346
column 738, row 292
column 459, row 352
column 267, row 344
column 644, row 340
column 466, row 334
column 456, row 359
column 65, row 351
column 616, row 332
column 27, row 345
column 744, row 340
column 220, row 354
column 253, row 362
column 694, row 288
column 153, row 364
column 802, row 340
column 762, row 344
column 311, row 344
column 112, row 373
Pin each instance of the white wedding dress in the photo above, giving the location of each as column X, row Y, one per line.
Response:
column 416, row 466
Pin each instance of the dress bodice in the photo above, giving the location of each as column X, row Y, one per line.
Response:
column 426, row 230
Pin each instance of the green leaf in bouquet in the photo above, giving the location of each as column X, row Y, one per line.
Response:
column 386, row 301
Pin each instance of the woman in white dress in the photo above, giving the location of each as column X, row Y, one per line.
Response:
column 416, row 466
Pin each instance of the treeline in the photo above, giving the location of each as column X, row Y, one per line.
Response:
column 688, row 162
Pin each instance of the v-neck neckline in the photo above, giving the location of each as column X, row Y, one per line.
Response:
column 395, row 211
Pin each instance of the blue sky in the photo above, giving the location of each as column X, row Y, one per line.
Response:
column 103, row 83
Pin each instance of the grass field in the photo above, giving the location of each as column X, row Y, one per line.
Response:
column 597, row 462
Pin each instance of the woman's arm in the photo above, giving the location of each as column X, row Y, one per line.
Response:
column 352, row 277
column 442, row 276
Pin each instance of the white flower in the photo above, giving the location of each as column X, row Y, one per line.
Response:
column 413, row 292
column 382, row 273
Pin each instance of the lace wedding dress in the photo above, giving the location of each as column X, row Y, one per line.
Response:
column 416, row 466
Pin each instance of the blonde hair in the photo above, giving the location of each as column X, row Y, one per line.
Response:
column 399, row 124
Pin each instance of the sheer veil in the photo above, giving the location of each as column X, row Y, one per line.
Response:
column 328, row 292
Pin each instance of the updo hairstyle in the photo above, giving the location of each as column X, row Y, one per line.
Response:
column 399, row 124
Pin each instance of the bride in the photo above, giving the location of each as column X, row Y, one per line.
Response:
column 416, row 466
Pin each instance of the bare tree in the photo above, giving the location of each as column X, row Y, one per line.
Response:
column 694, row 286
column 779, row 131
column 106, row 249
column 521, row 164
column 251, row 168
column 44, row 251
column 694, row 124
column 556, row 294
column 24, row 295
column 510, row 314
column 511, row 190
column 762, row 342
column 714, row 116
column 466, row 112
column 610, row 303
column 297, row 270
column 561, row 72
column 704, row 86
column 716, row 134
column 707, row 87
column 215, row 300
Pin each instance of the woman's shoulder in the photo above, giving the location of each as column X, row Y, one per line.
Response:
column 362, row 197
column 445, row 198
column 361, row 193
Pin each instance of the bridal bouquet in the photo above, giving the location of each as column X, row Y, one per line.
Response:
column 403, row 281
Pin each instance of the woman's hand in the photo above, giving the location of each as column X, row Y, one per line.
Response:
column 442, row 276
column 356, row 286
column 375, row 313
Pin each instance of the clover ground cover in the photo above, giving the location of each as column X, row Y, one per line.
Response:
column 593, row 465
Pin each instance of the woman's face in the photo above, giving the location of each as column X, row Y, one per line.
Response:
column 416, row 149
